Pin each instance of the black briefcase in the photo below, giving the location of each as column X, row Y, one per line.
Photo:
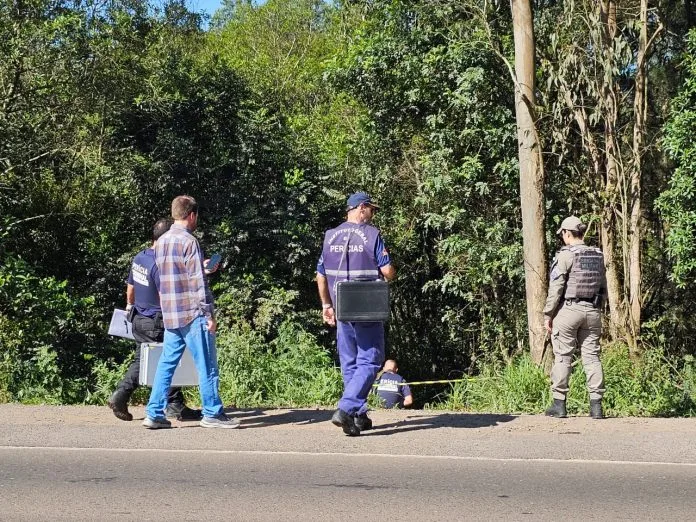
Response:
column 362, row 301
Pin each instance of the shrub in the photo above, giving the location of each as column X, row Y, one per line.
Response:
column 41, row 333
column 291, row 370
column 653, row 385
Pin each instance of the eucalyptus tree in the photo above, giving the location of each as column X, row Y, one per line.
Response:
column 532, row 202
column 595, row 61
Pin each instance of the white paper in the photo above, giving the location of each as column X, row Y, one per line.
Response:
column 120, row 326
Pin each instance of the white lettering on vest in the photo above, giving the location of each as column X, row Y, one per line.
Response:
column 358, row 232
column 341, row 248
column 140, row 274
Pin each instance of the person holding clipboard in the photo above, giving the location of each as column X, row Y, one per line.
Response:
column 145, row 314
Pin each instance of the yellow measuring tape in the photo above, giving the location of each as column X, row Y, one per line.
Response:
column 444, row 381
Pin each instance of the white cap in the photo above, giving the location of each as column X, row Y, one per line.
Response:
column 570, row 223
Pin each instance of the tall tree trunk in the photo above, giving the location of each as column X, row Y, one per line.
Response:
column 635, row 232
column 612, row 219
column 610, row 223
column 531, row 177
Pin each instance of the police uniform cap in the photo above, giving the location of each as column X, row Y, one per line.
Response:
column 359, row 198
column 571, row 223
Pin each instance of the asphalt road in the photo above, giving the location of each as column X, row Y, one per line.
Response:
column 83, row 464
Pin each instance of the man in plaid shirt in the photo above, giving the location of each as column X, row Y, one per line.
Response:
column 189, row 319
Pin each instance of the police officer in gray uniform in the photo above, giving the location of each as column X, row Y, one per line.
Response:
column 572, row 315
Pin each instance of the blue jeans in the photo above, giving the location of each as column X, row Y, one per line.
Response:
column 201, row 343
column 361, row 352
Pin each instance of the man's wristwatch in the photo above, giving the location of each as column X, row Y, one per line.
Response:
column 326, row 306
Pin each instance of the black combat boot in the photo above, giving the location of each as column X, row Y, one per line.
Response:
column 341, row 419
column 182, row 412
column 596, row 409
column 558, row 409
column 118, row 402
column 363, row 422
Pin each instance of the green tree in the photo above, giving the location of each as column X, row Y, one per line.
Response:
column 441, row 104
column 677, row 203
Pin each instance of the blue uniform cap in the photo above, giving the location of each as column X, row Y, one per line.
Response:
column 358, row 199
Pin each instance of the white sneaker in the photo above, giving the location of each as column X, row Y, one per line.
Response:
column 156, row 424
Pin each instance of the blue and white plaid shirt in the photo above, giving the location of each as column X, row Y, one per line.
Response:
column 184, row 292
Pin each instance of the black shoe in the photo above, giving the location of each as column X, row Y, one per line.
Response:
column 189, row 414
column 363, row 422
column 596, row 409
column 118, row 402
column 183, row 413
column 343, row 420
column 557, row 410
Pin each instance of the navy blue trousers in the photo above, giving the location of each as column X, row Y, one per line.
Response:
column 361, row 352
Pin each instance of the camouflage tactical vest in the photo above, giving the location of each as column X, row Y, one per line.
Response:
column 586, row 274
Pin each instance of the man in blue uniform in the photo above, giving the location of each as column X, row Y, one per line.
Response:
column 354, row 250
column 143, row 302
column 391, row 388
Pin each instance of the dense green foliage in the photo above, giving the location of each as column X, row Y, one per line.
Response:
column 678, row 202
column 270, row 115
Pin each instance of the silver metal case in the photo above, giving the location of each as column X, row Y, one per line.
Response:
column 184, row 375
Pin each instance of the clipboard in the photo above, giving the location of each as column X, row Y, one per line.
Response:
column 120, row 326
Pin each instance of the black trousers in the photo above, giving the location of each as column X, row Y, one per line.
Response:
column 146, row 330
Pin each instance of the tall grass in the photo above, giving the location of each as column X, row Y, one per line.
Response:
column 292, row 370
column 652, row 385
column 520, row 387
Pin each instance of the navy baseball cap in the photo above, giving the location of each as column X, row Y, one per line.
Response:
column 360, row 198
